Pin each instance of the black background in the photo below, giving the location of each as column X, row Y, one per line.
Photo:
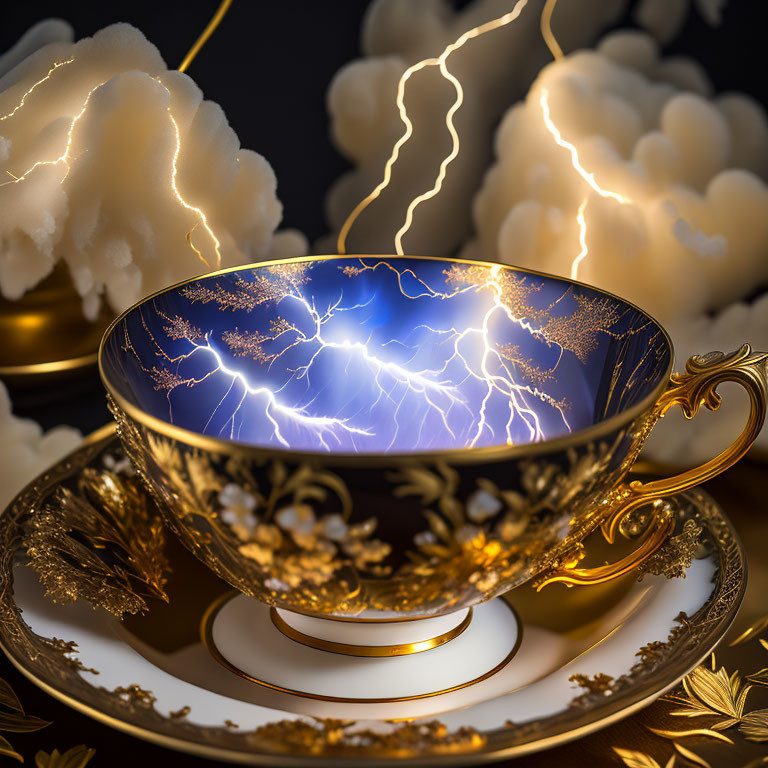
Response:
column 270, row 62
column 269, row 66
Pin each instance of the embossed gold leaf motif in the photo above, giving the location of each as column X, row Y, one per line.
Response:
column 103, row 544
column 634, row 759
column 754, row 725
column 713, row 693
column 14, row 720
column 691, row 756
column 753, row 630
column 75, row 757
column 691, row 732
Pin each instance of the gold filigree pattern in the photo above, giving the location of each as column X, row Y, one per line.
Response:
column 102, row 543
column 675, row 556
column 721, row 697
column 53, row 662
column 331, row 737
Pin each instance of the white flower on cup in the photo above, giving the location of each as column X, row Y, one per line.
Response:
column 481, row 505
column 424, row 539
column 300, row 520
column 334, row 527
column 238, row 509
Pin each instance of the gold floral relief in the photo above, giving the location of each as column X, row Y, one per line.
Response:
column 283, row 532
column 102, row 542
column 55, row 662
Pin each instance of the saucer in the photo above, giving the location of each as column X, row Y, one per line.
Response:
column 586, row 656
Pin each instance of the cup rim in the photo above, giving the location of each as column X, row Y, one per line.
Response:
column 465, row 455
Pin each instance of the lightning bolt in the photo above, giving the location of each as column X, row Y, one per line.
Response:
column 582, row 240
column 467, row 355
column 35, row 85
column 64, row 158
column 586, row 175
column 440, row 62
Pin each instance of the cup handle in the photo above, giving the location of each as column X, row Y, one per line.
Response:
column 690, row 390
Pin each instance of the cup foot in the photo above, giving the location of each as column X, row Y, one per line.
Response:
column 311, row 658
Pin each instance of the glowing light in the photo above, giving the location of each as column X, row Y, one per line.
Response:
column 430, row 62
column 560, row 141
column 206, row 33
column 64, row 158
column 201, row 215
column 65, row 155
column 582, row 240
column 317, row 377
column 546, row 30
column 32, row 88
column 318, row 424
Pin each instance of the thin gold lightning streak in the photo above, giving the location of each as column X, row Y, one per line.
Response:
column 580, row 169
column 546, row 30
column 65, row 155
column 582, row 240
column 221, row 12
column 430, row 62
column 584, row 173
column 472, row 33
column 32, row 88
column 200, row 214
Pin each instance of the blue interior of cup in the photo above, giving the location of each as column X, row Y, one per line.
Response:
column 383, row 354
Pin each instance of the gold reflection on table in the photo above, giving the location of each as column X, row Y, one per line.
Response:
column 46, row 332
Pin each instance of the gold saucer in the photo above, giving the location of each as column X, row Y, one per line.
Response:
column 45, row 332
column 600, row 653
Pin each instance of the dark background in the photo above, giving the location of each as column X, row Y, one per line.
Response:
column 270, row 62
column 269, row 66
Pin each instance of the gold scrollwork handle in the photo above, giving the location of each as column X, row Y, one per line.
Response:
column 690, row 390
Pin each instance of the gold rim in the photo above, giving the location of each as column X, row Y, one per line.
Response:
column 206, row 636
column 57, row 366
column 231, row 755
column 380, row 651
column 455, row 455
column 501, row 745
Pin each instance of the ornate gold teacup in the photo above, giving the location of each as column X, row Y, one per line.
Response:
column 373, row 439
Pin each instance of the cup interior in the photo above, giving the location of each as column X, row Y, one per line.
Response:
column 376, row 355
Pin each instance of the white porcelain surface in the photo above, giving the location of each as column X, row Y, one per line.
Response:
column 376, row 632
column 244, row 634
column 536, row 684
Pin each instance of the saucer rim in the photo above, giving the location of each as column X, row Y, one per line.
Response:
column 100, row 441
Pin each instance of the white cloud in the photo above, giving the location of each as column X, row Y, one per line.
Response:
column 26, row 451
column 105, row 128
column 494, row 71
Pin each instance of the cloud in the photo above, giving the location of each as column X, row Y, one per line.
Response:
column 494, row 71
column 123, row 171
column 692, row 232
column 690, row 242
column 26, row 451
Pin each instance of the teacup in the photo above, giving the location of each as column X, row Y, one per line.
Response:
column 377, row 438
